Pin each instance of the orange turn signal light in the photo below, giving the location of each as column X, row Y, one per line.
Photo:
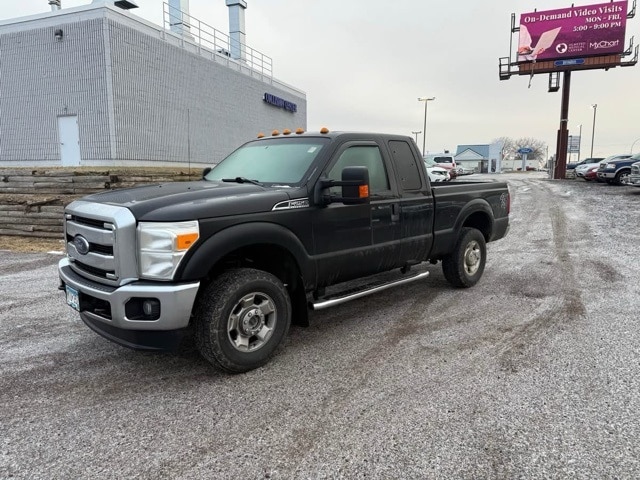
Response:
column 363, row 191
column 185, row 240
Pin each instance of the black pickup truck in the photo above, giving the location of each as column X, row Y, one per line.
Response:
column 237, row 257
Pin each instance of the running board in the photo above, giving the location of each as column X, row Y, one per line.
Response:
column 344, row 297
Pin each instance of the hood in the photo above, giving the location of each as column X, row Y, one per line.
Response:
column 181, row 201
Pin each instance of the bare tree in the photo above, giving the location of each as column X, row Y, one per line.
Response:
column 508, row 147
column 511, row 147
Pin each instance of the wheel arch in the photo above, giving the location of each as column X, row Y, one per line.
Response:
column 476, row 214
column 264, row 246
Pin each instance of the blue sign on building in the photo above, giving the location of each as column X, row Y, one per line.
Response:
column 280, row 102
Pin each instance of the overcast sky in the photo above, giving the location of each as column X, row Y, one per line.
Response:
column 364, row 63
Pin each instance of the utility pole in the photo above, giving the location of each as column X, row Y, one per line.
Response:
column 593, row 131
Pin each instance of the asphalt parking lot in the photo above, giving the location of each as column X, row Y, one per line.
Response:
column 533, row 373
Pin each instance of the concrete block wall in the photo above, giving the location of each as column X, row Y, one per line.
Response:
column 42, row 78
column 170, row 103
column 140, row 97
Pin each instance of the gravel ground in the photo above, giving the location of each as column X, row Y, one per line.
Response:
column 533, row 373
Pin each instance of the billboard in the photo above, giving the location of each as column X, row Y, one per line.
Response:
column 573, row 32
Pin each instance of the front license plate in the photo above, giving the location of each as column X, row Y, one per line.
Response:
column 73, row 298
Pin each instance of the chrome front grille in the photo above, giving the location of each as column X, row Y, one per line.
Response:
column 101, row 242
column 635, row 169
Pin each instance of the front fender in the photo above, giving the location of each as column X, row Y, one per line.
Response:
column 208, row 253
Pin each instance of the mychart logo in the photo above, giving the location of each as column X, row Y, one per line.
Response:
column 604, row 44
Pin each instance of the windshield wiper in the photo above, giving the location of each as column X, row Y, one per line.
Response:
column 242, row 180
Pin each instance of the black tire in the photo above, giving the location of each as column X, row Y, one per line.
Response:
column 241, row 318
column 622, row 177
column 463, row 268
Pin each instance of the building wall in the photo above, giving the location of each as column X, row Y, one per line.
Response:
column 42, row 78
column 143, row 96
column 171, row 104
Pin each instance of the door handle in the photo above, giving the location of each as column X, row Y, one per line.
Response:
column 395, row 212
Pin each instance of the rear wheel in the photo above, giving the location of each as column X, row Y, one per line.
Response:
column 241, row 318
column 463, row 268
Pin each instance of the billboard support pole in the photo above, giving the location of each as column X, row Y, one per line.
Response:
column 563, row 132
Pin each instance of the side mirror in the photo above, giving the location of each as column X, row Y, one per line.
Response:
column 206, row 171
column 355, row 187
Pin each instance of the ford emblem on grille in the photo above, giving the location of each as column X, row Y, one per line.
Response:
column 81, row 244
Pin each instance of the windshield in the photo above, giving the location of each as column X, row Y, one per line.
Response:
column 429, row 162
column 278, row 161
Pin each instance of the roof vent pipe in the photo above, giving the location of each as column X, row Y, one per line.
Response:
column 237, row 40
column 179, row 17
column 55, row 5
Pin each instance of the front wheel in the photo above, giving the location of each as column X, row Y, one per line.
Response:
column 465, row 265
column 622, row 177
column 241, row 318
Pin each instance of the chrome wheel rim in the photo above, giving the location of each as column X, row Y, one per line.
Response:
column 472, row 258
column 252, row 322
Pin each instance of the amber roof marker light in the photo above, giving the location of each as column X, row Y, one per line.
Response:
column 324, row 130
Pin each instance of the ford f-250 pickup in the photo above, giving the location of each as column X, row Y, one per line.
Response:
column 237, row 257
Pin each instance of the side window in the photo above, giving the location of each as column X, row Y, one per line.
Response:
column 362, row 156
column 406, row 165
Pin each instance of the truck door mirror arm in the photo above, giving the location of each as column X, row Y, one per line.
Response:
column 355, row 187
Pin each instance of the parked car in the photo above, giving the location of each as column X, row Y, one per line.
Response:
column 572, row 166
column 571, row 172
column 436, row 172
column 615, row 169
column 634, row 176
column 445, row 161
column 468, row 170
column 582, row 169
column 592, row 173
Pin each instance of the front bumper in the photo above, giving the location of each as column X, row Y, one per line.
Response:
column 606, row 175
column 103, row 309
column 634, row 180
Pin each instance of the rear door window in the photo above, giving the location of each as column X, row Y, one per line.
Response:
column 406, row 164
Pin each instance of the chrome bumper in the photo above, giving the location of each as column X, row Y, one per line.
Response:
column 634, row 180
column 176, row 301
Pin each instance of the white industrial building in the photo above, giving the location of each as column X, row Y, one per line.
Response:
column 98, row 85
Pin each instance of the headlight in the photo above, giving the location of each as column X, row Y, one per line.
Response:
column 162, row 246
column 610, row 165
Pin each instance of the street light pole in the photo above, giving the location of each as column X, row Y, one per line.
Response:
column 426, row 100
column 579, row 142
column 416, row 134
column 593, row 131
